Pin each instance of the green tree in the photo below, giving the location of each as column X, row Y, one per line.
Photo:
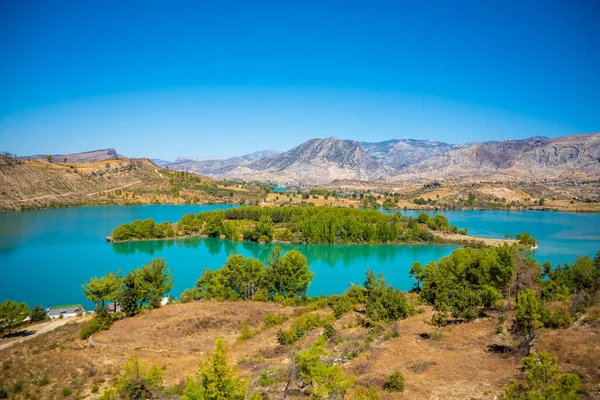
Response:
column 215, row 379
column 106, row 288
column 542, row 381
column 38, row 314
column 49, row 158
column 382, row 301
column 12, row 314
column 418, row 273
column 326, row 381
column 288, row 275
column 527, row 319
column 130, row 295
column 137, row 381
column 154, row 280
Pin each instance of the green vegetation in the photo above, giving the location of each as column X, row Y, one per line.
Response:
column 147, row 229
column 295, row 225
column 284, row 278
column 542, row 381
column 324, row 380
column 146, row 285
column 12, row 314
column 38, row 314
column 215, row 379
column 395, row 382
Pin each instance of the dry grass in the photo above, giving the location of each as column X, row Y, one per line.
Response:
column 460, row 365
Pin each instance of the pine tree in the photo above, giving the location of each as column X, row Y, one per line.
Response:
column 216, row 380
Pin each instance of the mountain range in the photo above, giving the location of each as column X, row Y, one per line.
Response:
column 320, row 161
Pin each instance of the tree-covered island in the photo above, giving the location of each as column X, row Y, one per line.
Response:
column 303, row 225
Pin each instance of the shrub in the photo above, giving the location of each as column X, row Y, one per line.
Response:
column 66, row 392
column 94, row 325
column 395, row 382
column 271, row 320
column 137, row 381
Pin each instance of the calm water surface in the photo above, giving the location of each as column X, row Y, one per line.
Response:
column 46, row 255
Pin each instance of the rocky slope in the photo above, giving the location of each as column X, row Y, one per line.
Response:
column 87, row 156
column 400, row 153
column 566, row 157
column 314, row 162
column 217, row 168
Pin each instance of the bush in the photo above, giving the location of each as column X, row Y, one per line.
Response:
column 66, row 392
column 271, row 320
column 395, row 382
column 101, row 322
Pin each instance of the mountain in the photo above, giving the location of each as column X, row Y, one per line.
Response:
column 87, row 156
column 534, row 158
column 218, row 168
column 159, row 162
column 316, row 161
column 400, row 153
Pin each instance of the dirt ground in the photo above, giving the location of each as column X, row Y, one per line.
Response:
column 463, row 364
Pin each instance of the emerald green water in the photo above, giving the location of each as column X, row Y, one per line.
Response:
column 46, row 255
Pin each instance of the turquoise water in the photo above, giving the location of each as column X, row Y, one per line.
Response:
column 46, row 255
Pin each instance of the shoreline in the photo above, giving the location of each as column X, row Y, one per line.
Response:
column 446, row 237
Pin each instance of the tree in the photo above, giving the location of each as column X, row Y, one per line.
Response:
column 527, row 319
column 382, row 301
column 65, row 159
column 215, row 379
column 418, row 273
column 38, row 314
column 137, row 381
column 12, row 314
column 288, row 275
column 326, row 381
column 155, row 280
column 130, row 295
column 542, row 381
column 106, row 288
column 49, row 158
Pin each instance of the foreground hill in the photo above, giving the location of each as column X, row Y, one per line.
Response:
column 86, row 156
column 568, row 157
column 43, row 184
column 466, row 362
column 316, row 161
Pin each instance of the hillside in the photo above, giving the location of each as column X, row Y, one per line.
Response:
column 314, row 162
column 400, row 153
column 321, row 161
column 467, row 362
column 42, row 184
column 537, row 158
column 218, row 168
column 86, row 156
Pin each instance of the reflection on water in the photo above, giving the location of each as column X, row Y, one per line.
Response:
column 328, row 254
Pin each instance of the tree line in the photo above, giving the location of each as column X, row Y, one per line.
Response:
column 295, row 225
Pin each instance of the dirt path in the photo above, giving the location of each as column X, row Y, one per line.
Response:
column 74, row 193
column 37, row 330
column 113, row 189
column 486, row 241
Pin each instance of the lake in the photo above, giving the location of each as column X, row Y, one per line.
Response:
column 46, row 255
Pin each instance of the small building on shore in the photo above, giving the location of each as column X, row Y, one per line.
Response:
column 70, row 311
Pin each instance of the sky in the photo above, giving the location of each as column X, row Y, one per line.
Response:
column 213, row 79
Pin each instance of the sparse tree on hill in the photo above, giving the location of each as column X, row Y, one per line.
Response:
column 527, row 320
column 65, row 159
column 49, row 158
column 215, row 379
column 418, row 273
column 12, row 314
column 155, row 281
column 106, row 288
column 542, row 381
column 38, row 314
column 130, row 295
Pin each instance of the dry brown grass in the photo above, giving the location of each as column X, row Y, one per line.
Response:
column 460, row 365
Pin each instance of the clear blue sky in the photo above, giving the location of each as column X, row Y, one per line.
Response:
column 221, row 78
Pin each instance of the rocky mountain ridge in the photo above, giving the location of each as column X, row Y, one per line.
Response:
column 86, row 156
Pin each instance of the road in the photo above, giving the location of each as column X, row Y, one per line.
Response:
column 38, row 329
